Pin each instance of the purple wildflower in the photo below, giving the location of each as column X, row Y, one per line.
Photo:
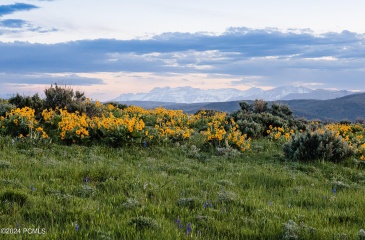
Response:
column 177, row 220
column 334, row 190
column 188, row 229
column 77, row 227
column 33, row 188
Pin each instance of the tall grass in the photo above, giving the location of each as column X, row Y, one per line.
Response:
column 97, row 192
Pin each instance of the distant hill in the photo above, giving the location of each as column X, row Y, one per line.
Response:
column 349, row 107
column 196, row 95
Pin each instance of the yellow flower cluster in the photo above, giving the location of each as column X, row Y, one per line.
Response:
column 235, row 137
column 23, row 115
column 21, row 121
column 171, row 124
column 220, row 131
column 353, row 134
column 110, row 123
column 73, row 125
column 131, row 125
column 279, row 133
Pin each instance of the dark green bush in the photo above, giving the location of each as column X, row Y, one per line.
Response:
column 311, row 146
column 64, row 97
column 5, row 107
column 142, row 222
column 34, row 102
column 254, row 119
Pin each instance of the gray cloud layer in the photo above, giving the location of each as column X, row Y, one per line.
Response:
column 280, row 58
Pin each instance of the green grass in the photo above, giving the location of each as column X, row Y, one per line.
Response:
column 149, row 193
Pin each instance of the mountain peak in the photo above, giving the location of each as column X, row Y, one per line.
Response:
column 188, row 94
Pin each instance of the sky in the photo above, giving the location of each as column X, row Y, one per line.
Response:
column 106, row 48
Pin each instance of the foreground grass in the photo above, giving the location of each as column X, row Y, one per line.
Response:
column 76, row 192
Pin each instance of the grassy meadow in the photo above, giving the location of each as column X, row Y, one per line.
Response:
column 79, row 169
column 97, row 192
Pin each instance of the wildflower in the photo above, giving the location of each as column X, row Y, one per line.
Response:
column 188, row 229
column 334, row 190
column 33, row 188
column 177, row 220
column 206, row 204
column 76, row 227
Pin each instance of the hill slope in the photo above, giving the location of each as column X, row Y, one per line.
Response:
column 349, row 107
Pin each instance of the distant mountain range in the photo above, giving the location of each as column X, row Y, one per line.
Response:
column 6, row 95
column 350, row 107
column 196, row 95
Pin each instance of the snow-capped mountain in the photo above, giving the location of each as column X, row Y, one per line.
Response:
column 196, row 95
column 319, row 94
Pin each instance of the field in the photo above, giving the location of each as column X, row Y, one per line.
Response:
column 97, row 192
column 106, row 171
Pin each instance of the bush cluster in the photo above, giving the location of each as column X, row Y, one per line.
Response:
column 256, row 118
column 69, row 117
column 317, row 145
column 56, row 97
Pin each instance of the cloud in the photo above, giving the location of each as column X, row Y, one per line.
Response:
column 275, row 57
column 19, row 26
column 47, row 79
column 13, row 23
column 16, row 7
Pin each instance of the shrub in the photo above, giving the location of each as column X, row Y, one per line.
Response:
column 61, row 97
column 34, row 102
column 5, row 107
column 254, row 119
column 18, row 122
column 142, row 222
column 260, row 106
column 324, row 145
